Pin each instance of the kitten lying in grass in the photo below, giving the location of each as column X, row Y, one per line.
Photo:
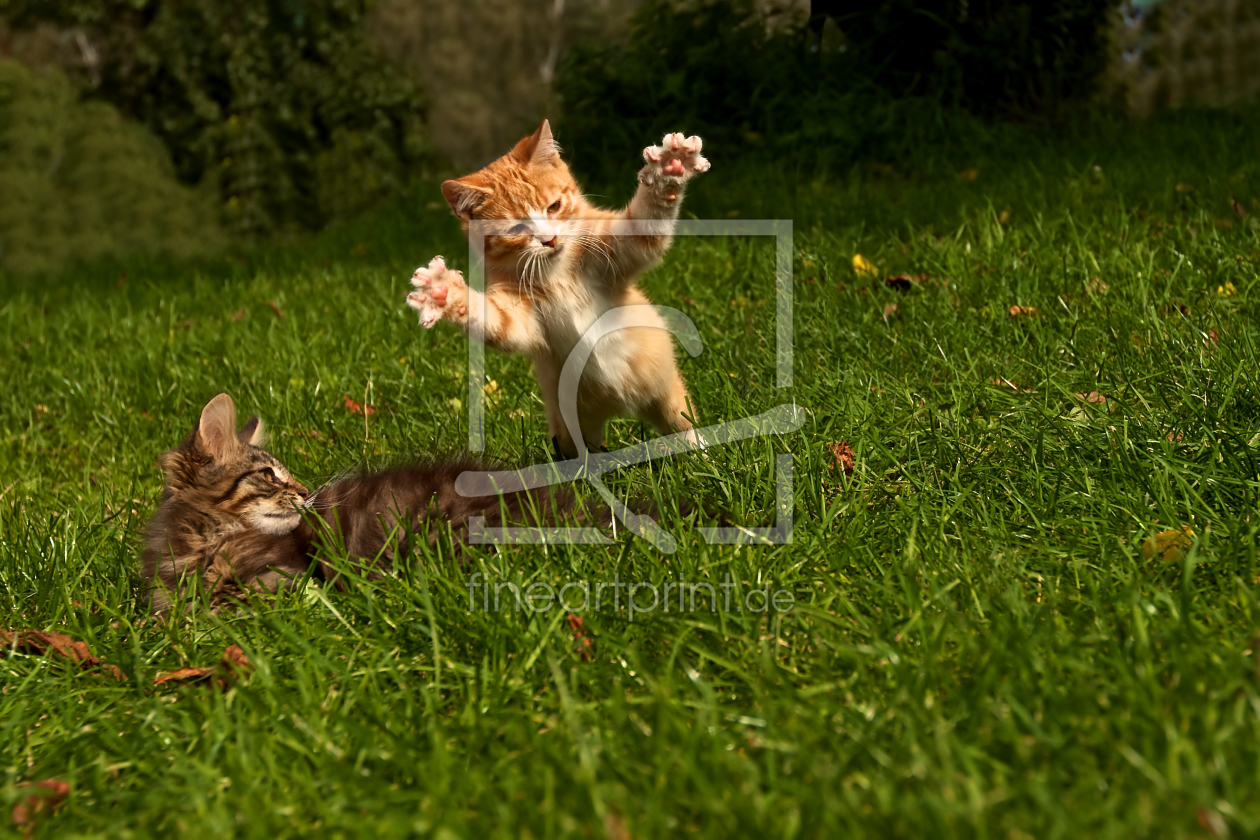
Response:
column 231, row 514
column 556, row 267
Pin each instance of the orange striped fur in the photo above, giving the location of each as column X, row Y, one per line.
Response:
column 554, row 267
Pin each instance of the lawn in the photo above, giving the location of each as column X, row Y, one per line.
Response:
column 1028, row 611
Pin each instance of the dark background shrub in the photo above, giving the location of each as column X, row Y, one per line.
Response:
column 860, row 80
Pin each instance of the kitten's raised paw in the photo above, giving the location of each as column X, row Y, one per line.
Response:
column 672, row 163
column 439, row 293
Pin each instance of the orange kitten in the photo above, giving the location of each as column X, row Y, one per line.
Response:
column 557, row 268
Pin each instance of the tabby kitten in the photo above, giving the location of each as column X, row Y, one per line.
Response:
column 557, row 269
column 231, row 514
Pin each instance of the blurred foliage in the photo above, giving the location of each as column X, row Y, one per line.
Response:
column 992, row 57
column 873, row 80
column 280, row 103
column 79, row 181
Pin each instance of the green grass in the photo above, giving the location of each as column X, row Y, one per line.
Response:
column 979, row 645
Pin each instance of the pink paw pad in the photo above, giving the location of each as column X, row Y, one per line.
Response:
column 676, row 159
column 433, row 284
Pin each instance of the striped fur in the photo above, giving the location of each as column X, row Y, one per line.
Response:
column 556, row 267
column 231, row 516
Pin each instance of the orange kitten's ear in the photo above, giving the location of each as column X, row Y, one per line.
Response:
column 539, row 148
column 217, row 428
column 464, row 197
column 252, row 432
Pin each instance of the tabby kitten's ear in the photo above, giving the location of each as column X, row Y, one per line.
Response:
column 464, row 196
column 252, row 432
column 216, row 431
column 539, row 148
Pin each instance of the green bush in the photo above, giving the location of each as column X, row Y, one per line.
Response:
column 79, row 181
column 280, row 103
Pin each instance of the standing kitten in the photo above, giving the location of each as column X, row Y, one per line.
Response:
column 558, row 268
column 231, row 513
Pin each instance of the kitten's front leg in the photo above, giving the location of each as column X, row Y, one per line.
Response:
column 667, row 169
column 441, row 293
column 501, row 318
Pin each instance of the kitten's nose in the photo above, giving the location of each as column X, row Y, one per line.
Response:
column 549, row 242
column 301, row 491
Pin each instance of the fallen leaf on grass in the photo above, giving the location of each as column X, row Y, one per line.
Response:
column 1018, row 311
column 1212, row 822
column 583, row 645
column 906, row 282
column 1238, row 208
column 1097, row 285
column 863, row 267
column 239, row 314
column 999, row 381
column 969, row 174
column 842, row 457
column 48, row 795
column 357, row 408
column 1169, row 546
column 40, row 643
column 890, row 309
column 1092, row 397
column 275, row 307
column 233, row 666
column 615, row 827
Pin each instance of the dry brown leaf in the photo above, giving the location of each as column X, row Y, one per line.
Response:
column 1092, row 397
column 1238, row 208
column 1097, row 285
column 1212, row 822
column 1169, row 546
column 39, row 643
column 615, row 827
column 583, row 645
column 842, row 456
column 969, row 174
column 48, row 795
column 890, row 309
column 1018, row 311
column 275, row 307
column 239, row 314
column 183, row 675
column 358, row 408
column 232, row 666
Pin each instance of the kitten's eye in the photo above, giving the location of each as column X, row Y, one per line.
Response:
column 270, row 474
column 518, row 230
column 555, row 208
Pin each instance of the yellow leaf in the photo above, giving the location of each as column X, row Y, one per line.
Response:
column 1227, row 290
column 863, row 267
column 1169, row 546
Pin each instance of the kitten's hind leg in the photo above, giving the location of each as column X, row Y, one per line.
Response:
column 673, row 412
